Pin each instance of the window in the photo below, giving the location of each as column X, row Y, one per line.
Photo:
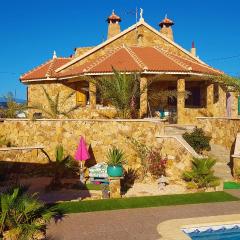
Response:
column 194, row 99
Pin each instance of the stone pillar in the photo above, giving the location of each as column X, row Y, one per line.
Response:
column 92, row 94
column 210, row 97
column 180, row 100
column 234, row 104
column 143, row 97
column 222, row 108
column 115, row 187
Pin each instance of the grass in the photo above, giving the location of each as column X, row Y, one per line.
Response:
column 231, row 185
column 144, row 202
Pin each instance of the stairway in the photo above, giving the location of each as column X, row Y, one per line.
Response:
column 222, row 155
column 218, row 152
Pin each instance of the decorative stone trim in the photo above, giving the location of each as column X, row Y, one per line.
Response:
column 20, row 148
column 220, row 118
column 83, row 120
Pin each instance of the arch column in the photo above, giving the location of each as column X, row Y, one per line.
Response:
column 180, row 100
column 92, row 94
column 143, row 97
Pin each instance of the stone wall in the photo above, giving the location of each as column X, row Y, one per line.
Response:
column 222, row 130
column 36, row 97
column 100, row 135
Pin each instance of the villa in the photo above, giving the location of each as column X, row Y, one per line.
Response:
column 162, row 64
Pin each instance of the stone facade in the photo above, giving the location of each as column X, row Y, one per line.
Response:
column 100, row 135
column 37, row 97
column 222, row 130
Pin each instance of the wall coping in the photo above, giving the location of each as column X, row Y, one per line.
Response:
column 222, row 118
column 81, row 120
column 20, row 148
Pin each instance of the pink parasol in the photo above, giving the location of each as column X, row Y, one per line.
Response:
column 81, row 155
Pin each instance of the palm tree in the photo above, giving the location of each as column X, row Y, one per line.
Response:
column 60, row 165
column 12, row 107
column 202, row 174
column 23, row 216
column 122, row 92
column 55, row 106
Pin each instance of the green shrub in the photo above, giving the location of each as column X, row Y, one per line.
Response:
column 198, row 140
column 201, row 174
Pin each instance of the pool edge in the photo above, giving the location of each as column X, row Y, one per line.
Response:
column 171, row 229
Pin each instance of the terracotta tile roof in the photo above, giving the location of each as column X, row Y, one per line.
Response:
column 132, row 59
column 124, row 59
column 45, row 70
column 196, row 66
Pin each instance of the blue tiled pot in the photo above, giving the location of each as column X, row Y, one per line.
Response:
column 115, row 171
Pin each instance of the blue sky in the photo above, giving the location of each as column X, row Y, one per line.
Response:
column 31, row 30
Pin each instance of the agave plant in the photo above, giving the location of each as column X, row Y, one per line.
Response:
column 60, row 165
column 56, row 106
column 202, row 174
column 23, row 216
column 115, row 157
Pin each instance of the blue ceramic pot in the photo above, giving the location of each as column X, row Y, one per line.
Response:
column 115, row 171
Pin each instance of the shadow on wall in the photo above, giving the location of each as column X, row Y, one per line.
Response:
column 14, row 171
column 92, row 161
column 230, row 164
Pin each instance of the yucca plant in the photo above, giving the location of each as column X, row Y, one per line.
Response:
column 115, row 157
column 23, row 216
column 202, row 173
column 61, row 164
column 56, row 106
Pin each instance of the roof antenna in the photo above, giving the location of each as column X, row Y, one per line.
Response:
column 54, row 54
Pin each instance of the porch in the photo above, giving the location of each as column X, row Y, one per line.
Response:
column 194, row 96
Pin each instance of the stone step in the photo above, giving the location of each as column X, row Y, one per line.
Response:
column 222, row 156
column 177, row 129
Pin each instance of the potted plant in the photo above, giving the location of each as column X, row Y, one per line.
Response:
column 116, row 158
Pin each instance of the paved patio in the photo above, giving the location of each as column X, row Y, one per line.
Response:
column 131, row 224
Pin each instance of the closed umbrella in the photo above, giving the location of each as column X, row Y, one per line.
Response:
column 81, row 155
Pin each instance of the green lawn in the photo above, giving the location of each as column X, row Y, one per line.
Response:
column 231, row 185
column 144, row 202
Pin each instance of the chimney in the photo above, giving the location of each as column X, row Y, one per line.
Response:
column 166, row 27
column 193, row 49
column 113, row 25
